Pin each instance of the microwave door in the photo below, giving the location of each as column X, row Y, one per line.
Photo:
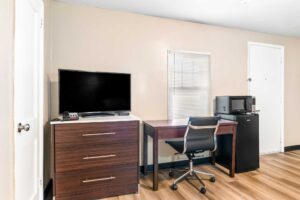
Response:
column 238, row 105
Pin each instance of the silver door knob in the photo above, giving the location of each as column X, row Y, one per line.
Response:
column 249, row 79
column 21, row 127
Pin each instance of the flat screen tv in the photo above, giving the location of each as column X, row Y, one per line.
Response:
column 93, row 92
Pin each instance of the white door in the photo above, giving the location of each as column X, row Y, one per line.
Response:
column 28, row 87
column 265, row 70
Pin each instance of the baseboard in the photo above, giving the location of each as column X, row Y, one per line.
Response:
column 292, row 148
column 175, row 164
column 48, row 189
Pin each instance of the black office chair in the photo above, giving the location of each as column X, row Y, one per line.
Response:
column 200, row 136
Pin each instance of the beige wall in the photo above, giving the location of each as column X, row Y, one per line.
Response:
column 6, row 94
column 88, row 38
column 47, row 55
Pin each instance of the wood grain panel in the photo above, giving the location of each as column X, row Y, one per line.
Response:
column 178, row 132
column 225, row 129
column 96, row 183
column 76, row 157
column 171, row 132
column 95, row 133
column 95, row 160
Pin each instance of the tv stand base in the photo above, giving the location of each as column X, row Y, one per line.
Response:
column 105, row 114
column 96, row 114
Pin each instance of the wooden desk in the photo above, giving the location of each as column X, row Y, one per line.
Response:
column 167, row 129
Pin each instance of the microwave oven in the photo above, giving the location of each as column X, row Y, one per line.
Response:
column 234, row 104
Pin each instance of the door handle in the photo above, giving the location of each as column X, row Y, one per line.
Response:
column 249, row 79
column 98, row 134
column 21, row 127
column 98, row 179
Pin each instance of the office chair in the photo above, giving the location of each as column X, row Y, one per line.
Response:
column 200, row 136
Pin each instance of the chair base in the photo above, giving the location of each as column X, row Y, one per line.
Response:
column 192, row 173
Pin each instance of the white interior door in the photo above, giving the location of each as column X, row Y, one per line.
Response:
column 266, row 84
column 28, row 99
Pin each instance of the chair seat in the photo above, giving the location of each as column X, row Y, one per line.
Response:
column 177, row 145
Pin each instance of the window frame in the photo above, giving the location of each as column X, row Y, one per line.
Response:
column 209, row 78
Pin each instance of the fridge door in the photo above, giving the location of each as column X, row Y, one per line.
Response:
column 247, row 143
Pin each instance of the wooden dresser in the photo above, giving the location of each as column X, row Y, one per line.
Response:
column 93, row 159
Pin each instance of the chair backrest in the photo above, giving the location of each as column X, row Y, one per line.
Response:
column 201, row 134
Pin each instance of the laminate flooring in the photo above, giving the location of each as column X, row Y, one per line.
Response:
column 278, row 178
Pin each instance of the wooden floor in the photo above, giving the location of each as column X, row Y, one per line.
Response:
column 277, row 179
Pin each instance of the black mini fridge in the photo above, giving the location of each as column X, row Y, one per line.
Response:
column 247, row 143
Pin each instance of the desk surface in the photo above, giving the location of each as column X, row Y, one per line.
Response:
column 179, row 123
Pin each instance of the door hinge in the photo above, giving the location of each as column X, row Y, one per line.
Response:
column 42, row 23
column 41, row 182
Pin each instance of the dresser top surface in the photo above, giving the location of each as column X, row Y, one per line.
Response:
column 98, row 119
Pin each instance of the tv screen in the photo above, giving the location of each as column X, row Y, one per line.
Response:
column 85, row 92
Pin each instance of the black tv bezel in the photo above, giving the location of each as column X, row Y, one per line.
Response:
column 94, row 112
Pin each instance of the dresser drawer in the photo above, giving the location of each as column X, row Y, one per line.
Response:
column 96, row 183
column 90, row 156
column 95, row 133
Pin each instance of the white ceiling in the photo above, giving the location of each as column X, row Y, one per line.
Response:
column 269, row 16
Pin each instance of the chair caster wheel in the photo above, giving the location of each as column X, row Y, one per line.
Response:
column 212, row 179
column 174, row 187
column 171, row 174
column 203, row 190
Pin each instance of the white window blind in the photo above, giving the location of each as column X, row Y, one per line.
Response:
column 188, row 84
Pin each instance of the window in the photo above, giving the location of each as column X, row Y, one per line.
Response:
column 188, row 84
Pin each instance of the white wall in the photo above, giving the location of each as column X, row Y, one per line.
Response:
column 6, row 94
column 88, row 38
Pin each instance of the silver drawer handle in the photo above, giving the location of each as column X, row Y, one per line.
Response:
column 98, row 179
column 98, row 134
column 97, row 157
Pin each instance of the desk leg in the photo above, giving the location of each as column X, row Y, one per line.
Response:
column 233, row 152
column 145, row 152
column 155, row 161
column 213, row 158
